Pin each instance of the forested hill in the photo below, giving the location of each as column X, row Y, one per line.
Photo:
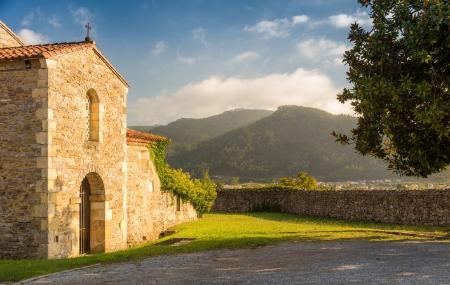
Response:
column 188, row 131
column 290, row 140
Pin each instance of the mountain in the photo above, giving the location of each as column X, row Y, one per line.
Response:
column 188, row 131
column 289, row 140
column 143, row 128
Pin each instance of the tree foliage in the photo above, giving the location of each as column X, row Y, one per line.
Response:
column 399, row 75
column 200, row 192
column 303, row 181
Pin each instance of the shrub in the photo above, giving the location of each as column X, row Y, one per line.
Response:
column 234, row 181
column 303, row 181
column 200, row 192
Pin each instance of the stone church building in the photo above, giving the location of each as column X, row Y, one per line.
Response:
column 73, row 178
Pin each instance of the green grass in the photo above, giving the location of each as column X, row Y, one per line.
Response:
column 233, row 231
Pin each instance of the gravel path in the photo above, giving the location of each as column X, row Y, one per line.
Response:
column 286, row 263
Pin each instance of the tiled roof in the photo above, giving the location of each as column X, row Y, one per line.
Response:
column 45, row 50
column 139, row 137
column 50, row 50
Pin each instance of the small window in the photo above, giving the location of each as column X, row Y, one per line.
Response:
column 27, row 64
column 93, row 109
column 150, row 186
column 178, row 203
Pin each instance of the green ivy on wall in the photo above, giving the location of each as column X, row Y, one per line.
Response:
column 200, row 192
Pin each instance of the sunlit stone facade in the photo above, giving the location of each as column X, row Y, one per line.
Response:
column 63, row 134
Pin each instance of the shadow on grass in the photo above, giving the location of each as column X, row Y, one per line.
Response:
column 16, row 270
column 386, row 228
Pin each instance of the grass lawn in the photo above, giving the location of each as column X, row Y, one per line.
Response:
column 233, row 231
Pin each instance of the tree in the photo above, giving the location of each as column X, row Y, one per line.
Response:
column 399, row 75
column 302, row 181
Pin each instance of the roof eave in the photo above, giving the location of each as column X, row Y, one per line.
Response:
column 11, row 33
column 106, row 61
column 89, row 45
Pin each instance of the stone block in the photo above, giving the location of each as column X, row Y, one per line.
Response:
column 50, row 174
column 49, row 125
column 51, row 64
column 51, row 210
column 53, row 198
column 40, row 211
column 44, row 225
column 41, row 92
column 42, row 113
column 42, row 83
column 43, row 198
column 51, row 182
column 41, row 186
column 42, row 73
column 42, row 138
column 42, row 162
column 108, row 215
column 42, row 250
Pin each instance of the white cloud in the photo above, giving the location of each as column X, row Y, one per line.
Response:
column 322, row 49
column 200, row 34
column 217, row 94
column 37, row 17
column 270, row 29
column 345, row 20
column 159, row 48
column 186, row 59
column 243, row 57
column 54, row 21
column 31, row 37
column 278, row 28
column 26, row 21
column 299, row 19
column 82, row 16
column 32, row 16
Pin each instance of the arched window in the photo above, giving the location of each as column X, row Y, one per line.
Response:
column 93, row 116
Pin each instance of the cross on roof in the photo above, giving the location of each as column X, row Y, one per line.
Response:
column 88, row 29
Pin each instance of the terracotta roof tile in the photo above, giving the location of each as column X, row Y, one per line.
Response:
column 45, row 50
column 139, row 137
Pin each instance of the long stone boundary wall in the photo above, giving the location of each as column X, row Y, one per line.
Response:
column 425, row 207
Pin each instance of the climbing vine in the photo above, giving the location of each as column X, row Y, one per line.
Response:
column 200, row 192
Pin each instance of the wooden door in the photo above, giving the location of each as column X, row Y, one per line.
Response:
column 85, row 217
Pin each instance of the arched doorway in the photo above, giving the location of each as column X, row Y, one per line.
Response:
column 92, row 214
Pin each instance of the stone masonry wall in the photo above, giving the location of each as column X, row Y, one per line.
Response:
column 430, row 207
column 72, row 156
column 150, row 210
column 22, row 221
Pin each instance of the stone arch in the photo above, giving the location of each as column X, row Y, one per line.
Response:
column 93, row 108
column 97, row 213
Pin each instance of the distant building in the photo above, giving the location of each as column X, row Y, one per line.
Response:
column 73, row 179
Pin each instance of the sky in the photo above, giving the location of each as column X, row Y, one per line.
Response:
column 196, row 58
